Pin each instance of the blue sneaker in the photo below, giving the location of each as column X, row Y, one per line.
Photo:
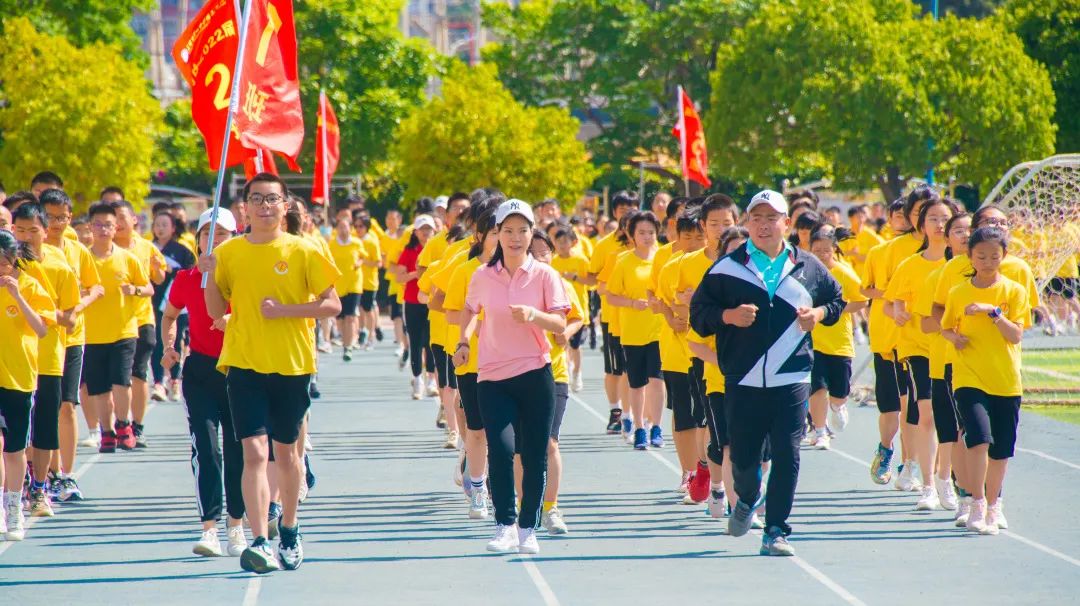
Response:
column 739, row 522
column 627, row 426
column 641, row 441
column 774, row 543
column 272, row 517
column 879, row 467
column 656, row 437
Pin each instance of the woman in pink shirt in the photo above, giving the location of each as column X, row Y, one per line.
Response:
column 521, row 299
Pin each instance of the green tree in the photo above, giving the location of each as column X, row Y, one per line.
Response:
column 373, row 76
column 616, row 64
column 1050, row 30
column 84, row 22
column 477, row 135
column 859, row 90
column 963, row 8
column 180, row 152
column 50, row 120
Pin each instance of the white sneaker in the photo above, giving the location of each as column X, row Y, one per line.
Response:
column 237, row 541
column 93, row 440
column 962, row 511
column 505, row 539
column 976, row 521
column 809, row 439
column 478, row 506
column 717, row 507
column 208, row 545
column 823, row 440
column 459, row 477
column 929, row 499
column 553, row 521
column 996, row 516
column 527, row 541
column 451, row 441
column 684, row 486
column 756, row 522
column 946, row 494
column 578, row 383
column 16, row 522
column 432, row 389
column 906, row 480
column 307, row 444
column 303, row 492
column 417, row 388
column 157, row 392
column 838, row 417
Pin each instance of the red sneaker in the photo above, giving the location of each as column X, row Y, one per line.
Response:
column 125, row 436
column 108, row 442
column 699, row 484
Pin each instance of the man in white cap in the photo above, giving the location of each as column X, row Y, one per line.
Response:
column 760, row 303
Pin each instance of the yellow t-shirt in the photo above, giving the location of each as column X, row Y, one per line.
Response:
column 455, row 255
column 436, row 319
column 692, row 268
column 866, row 239
column 187, row 239
column 53, row 273
column 144, row 251
column 1012, row 267
column 887, row 232
column 113, row 316
column 579, row 265
column 839, row 339
column 374, row 252
column 559, row 366
column 909, row 284
column 433, row 250
column 941, row 351
column 347, row 259
column 988, row 362
column 883, row 331
column 289, row 269
column 456, row 291
column 71, row 234
column 603, row 246
column 674, row 352
column 81, row 261
column 660, row 259
column 631, row 278
column 19, row 355
column 714, row 379
column 391, row 248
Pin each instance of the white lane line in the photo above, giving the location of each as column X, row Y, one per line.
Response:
column 809, row 569
column 538, row 579
column 1029, row 542
column 1051, row 373
column 1048, row 457
column 251, row 594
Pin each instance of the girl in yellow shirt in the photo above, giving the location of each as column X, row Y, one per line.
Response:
column 984, row 320
column 348, row 255
column 640, row 329
column 906, row 291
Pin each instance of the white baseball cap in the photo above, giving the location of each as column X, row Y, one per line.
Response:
column 774, row 199
column 422, row 220
column 442, row 201
column 225, row 219
column 513, row 206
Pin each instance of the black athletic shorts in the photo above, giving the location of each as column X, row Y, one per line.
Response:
column 944, row 406
column 348, row 305
column 642, row 363
column 106, row 365
column 920, row 376
column 45, row 421
column 613, row 352
column 73, row 364
column 144, row 346
column 575, row 340
column 367, row 300
column 267, row 404
column 832, row 373
column 718, row 428
column 562, row 394
column 469, row 402
column 989, row 420
column 395, row 308
column 444, row 367
column 699, row 402
column 15, row 420
column 680, row 401
column 890, row 383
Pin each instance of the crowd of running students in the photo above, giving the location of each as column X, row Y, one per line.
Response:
column 743, row 324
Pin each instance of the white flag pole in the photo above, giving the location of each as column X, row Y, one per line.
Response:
column 682, row 143
column 234, row 103
column 322, row 136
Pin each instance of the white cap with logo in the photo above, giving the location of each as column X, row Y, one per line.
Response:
column 774, row 199
column 513, row 206
column 225, row 219
column 422, row 221
column 442, row 201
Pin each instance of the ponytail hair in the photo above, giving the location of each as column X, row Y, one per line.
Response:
column 17, row 253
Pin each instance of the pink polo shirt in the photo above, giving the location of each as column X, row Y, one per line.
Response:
column 507, row 348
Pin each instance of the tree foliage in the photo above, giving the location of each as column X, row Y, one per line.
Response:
column 84, row 22
column 373, row 76
column 477, row 135
column 614, row 63
column 85, row 114
column 180, row 153
column 1050, row 30
column 860, row 89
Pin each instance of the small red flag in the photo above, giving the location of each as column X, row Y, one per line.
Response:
column 327, row 150
column 691, row 135
column 262, row 161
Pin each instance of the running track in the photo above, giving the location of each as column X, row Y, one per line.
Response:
column 385, row 524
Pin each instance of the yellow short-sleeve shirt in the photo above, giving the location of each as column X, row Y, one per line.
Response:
column 988, row 362
column 19, row 355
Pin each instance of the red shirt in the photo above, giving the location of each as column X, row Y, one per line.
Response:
column 187, row 292
column 408, row 261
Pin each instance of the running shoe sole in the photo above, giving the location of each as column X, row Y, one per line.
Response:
column 253, row 562
column 206, row 552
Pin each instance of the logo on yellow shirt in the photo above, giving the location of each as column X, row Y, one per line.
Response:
column 281, row 268
column 119, row 276
column 12, row 311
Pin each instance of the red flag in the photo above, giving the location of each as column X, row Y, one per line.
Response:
column 262, row 161
column 205, row 54
column 327, row 150
column 269, row 113
column 695, row 161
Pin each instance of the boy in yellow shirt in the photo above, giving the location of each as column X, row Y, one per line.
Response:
column 369, row 271
column 276, row 283
column 574, row 268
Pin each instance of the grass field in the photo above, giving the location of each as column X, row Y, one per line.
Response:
column 1068, row 414
column 1052, row 376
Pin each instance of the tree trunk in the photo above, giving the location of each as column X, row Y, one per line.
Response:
column 891, row 184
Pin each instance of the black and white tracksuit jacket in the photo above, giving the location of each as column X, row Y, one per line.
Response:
column 773, row 351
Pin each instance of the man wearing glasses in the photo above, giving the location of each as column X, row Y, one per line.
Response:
column 275, row 284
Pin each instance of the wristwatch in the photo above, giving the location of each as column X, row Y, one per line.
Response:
column 460, row 345
column 995, row 313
